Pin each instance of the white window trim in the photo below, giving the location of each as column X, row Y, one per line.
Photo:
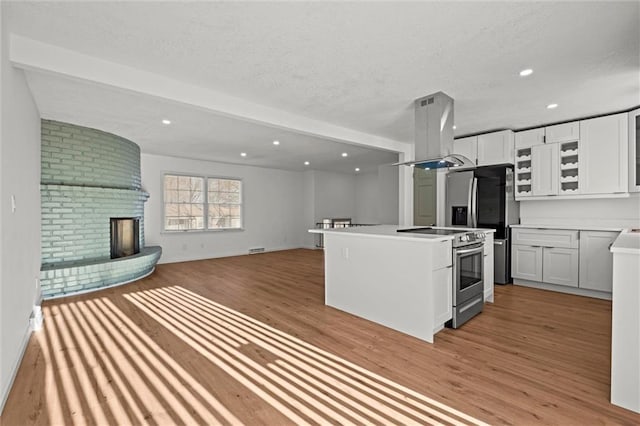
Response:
column 206, row 204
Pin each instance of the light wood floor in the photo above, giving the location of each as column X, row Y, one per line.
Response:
column 248, row 340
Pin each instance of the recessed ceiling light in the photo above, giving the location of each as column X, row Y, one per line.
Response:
column 552, row 106
column 306, row 163
column 165, row 121
column 344, row 154
column 243, row 154
column 454, row 127
column 276, row 142
column 357, row 169
column 526, row 72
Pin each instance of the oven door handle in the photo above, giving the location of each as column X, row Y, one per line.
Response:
column 472, row 250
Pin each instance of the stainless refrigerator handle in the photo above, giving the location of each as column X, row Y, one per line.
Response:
column 470, row 203
column 474, row 203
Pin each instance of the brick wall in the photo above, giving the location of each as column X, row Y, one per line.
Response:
column 88, row 176
column 75, row 155
column 75, row 220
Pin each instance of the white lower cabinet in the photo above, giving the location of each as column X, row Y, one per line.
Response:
column 579, row 259
column 560, row 266
column 488, row 277
column 442, row 279
column 596, row 261
column 526, row 262
column 442, row 296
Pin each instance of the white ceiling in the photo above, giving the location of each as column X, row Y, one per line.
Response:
column 358, row 65
column 194, row 133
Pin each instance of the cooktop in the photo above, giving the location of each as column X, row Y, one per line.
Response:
column 433, row 231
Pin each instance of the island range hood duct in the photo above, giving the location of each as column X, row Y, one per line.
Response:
column 434, row 134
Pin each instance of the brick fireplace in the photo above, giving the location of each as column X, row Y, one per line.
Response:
column 89, row 179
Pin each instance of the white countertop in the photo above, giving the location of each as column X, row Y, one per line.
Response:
column 627, row 242
column 571, row 227
column 391, row 231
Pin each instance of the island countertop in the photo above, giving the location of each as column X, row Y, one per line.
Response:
column 391, row 231
column 627, row 242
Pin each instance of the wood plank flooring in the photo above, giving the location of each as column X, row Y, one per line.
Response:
column 248, row 340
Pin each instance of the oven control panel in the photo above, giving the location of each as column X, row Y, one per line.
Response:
column 469, row 238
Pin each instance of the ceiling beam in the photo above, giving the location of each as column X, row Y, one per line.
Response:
column 30, row 54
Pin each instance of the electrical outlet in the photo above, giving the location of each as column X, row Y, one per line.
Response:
column 345, row 252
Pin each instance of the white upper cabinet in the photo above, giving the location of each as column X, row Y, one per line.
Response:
column 529, row 138
column 634, row 151
column 467, row 147
column 495, row 148
column 565, row 132
column 604, row 151
column 544, row 169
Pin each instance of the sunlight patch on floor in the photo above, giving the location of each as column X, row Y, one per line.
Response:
column 304, row 383
column 103, row 369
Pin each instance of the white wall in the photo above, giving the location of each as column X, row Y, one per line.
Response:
column 308, row 209
column 388, row 194
column 608, row 212
column 334, row 195
column 273, row 210
column 367, row 198
column 19, row 230
column 376, row 196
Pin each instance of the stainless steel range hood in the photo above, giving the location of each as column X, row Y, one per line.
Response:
column 434, row 134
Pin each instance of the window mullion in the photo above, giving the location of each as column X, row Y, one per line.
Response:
column 205, row 210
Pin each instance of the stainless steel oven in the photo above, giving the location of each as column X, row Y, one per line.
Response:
column 468, row 281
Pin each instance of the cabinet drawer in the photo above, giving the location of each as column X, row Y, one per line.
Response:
column 441, row 255
column 561, row 238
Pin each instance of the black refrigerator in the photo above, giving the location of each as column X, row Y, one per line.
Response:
column 484, row 198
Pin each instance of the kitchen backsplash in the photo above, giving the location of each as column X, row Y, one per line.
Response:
column 607, row 212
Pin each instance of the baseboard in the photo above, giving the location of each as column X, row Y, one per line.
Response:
column 16, row 365
column 563, row 289
column 204, row 256
column 312, row 247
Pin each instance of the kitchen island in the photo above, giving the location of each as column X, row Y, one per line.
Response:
column 625, row 323
column 400, row 280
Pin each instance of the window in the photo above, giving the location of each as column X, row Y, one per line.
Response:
column 225, row 203
column 199, row 203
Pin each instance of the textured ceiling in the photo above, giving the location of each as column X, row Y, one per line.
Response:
column 194, row 133
column 361, row 64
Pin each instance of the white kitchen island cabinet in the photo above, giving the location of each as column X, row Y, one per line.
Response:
column 625, row 322
column 399, row 280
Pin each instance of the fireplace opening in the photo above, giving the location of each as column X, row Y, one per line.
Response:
column 125, row 236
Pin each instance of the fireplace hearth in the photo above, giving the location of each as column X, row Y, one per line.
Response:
column 125, row 236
